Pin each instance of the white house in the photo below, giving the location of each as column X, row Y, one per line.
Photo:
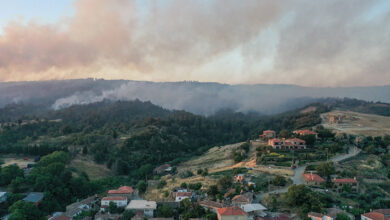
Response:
column 118, row 200
column 148, row 207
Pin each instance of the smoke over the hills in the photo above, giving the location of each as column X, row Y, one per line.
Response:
column 300, row 42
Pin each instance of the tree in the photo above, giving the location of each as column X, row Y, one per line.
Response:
column 279, row 181
column 161, row 184
column 16, row 184
column 24, row 210
column 142, row 186
column 112, row 207
column 284, row 133
column 310, row 139
column 224, row 182
column 145, row 170
column 9, row 173
column 342, row 216
column 212, row 190
column 205, row 172
column 296, row 194
column 183, row 185
column 326, row 169
column 127, row 215
column 164, row 211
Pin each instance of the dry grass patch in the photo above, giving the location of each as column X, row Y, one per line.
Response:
column 94, row 170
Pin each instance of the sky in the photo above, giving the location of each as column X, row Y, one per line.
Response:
column 302, row 42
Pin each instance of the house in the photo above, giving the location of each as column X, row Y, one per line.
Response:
column 306, row 132
column 287, row 144
column 339, row 184
column 124, row 191
column 34, row 197
column 232, row 213
column 313, row 179
column 254, row 209
column 240, row 177
column 268, row 134
column 331, row 214
column 165, row 168
column 211, row 205
column 378, row 214
column 180, row 196
column 120, row 201
column 243, row 199
column 60, row 217
column 76, row 208
column 315, row 215
column 3, row 197
column 147, row 207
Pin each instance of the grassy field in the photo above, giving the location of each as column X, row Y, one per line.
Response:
column 93, row 169
column 358, row 123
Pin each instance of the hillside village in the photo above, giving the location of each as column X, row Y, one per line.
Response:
column 308, row 173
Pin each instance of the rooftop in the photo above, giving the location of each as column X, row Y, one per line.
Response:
column 231, row 211
column 181, row 194
column 34, row 197
column 253, row 207
column 141, row 204
column 312, row 177
column 378, row 214
column 111, row 198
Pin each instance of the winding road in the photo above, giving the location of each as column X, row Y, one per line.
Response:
column 297, row 178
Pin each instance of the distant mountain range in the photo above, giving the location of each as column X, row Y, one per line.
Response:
column 196, row 97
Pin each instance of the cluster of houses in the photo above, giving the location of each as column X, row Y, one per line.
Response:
column 123, row 197
column 339, row 184
column 331, row 214
column 286, row 144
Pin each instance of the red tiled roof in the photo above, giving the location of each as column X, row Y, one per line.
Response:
column 306, row 132
column 114, row 198
column 268, row 131
column 345, row 180
column 296, row 140
column 181, row 194
column 162, row 167
column 378, row 214
column 122, row 190
column 312, row 177
column 231, row 211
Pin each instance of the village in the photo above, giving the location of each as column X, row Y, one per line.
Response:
column 242, row 192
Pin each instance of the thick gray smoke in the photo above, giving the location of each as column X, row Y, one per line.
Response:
column 207, row 98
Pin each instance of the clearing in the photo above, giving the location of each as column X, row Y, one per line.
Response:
column 18, row 160
column 357, row 123
column 87, row 165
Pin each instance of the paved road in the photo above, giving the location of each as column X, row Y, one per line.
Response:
column 297, row 178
